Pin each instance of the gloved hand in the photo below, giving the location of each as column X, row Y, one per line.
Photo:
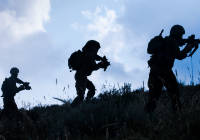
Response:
column 105, row 63
column 26, row 86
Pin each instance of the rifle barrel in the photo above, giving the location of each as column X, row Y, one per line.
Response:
column 189, row 40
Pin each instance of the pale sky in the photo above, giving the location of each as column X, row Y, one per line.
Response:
column 38, row 36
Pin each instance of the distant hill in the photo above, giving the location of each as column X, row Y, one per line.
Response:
column 116, row 114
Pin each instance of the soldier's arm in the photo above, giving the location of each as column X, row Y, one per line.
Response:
column 97, row 66
column 183, row 53
column 101, row 65
column 19, row 81
column 20, row 88
column 98, row 58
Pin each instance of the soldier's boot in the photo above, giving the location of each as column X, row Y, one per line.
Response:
column 77, row 101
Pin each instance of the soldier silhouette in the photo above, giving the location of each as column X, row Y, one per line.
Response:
column 163, row 52
column 9, row 89
column 84, row 63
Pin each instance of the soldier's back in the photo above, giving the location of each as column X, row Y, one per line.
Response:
column 166, row 56
column 9, row 87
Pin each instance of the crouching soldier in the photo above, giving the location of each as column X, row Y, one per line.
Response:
column 10, row 89
column 84, row 63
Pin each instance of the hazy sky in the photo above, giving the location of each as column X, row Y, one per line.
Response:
column 38, row 36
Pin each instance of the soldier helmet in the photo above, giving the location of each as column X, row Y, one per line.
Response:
column 14, row 70
column 90, row 45
column 177, row 30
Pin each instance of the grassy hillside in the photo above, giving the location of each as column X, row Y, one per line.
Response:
column 116, row 114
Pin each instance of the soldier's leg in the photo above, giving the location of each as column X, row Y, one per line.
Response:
column 172, row 87
column 155, row 88
column 81, row 82
column 9, row 106
column 14, row 105
column 6, row 105
column 91, row 90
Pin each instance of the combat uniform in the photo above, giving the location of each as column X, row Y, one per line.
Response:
column 161, row 73
column 88, row 65
column 9, row 91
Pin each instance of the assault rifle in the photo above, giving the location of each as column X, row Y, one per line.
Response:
column 191, row 39
column 105, row 62
column 26, row 85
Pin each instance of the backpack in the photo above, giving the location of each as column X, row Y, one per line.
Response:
column 74, row 61
column 4, row 87
column 155, row 44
